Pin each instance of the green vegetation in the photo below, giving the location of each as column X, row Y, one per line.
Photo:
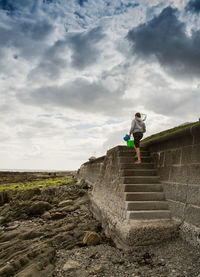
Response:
column 51, row 182
column 169, row 131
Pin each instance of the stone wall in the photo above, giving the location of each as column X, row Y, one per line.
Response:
column 104, row 174
column 177, row 157
column 90, row 171
column 107, row 203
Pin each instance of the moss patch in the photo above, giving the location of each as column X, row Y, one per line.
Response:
column 51, row 182
column 157, row 135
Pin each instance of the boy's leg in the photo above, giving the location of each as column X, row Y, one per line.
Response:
column 138, row 155
column 137, row 138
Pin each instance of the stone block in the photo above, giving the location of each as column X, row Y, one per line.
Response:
column 177, row 209
column 155, row 158
column 179, row 174
column 175, row 192
column 154, row 147
column 175, row 142
column 194, row 174
column 195, row 156
column 176, row 156
column 192, row 215
column 169, row 191
column 161, row 160
column 193, row 195
column 186, row 154
column 196, row 133
column 181, row 193
column 172, row 157
column 164, row 173
column 190, row 233
column 167, row 160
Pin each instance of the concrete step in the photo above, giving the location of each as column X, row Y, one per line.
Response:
column 139, row 172
column 144, row 159
column 125, row 148
column 146, row 205
column 143, row 188
column 136, row 166
column 144, row 196
column 151, row 214
column 140, row 179
column 133, row 153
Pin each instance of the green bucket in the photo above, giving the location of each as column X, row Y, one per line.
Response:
column 130, row 143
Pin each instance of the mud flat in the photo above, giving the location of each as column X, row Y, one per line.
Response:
column 42, row 231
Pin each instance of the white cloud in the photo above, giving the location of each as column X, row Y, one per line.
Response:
column 70, row 85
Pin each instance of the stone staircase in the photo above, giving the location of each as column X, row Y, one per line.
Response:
column 143, row 193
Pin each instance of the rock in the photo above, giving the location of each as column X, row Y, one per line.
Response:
column 30, row 235
column 92, row 158
column 71, row 265
column 95, row 269
column 65, row 203
column 7, row 271
column 57, row 215
column 91, row 238
column 69, row 209
column 2, row 219
column 46, row 216
column 12, row 227
column 39, row 207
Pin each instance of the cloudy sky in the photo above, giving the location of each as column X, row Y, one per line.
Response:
column 74, row 72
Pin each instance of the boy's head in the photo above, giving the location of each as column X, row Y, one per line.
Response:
column 138, row 115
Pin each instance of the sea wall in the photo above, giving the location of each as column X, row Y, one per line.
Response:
column 108, row 204
column 104, row 174
column 177, row 157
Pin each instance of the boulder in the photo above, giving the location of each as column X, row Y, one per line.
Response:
column 57, row 215
column 39, row 207
column 91, row 238
column 65, row 203
column 71, row 265
column 2, row 219
column 92, row 158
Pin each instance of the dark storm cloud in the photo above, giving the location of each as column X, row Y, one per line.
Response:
column 84, row 53
column 83, row 47
column 193, row 6
column 52, row 63
column 79, row 95
column 12, row 6
column 165, row 38
column 123, row 7
column 28, row 37
column 81, row 2
column 37, row 30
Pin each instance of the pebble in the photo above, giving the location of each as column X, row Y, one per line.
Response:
column 71, row 265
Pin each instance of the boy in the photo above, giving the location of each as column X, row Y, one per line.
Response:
column 137, row 129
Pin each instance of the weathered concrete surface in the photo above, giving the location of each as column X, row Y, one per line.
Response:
column 129, row 234
column 109, row 203
column 177, row 157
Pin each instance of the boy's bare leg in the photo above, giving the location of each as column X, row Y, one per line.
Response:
column 138, row 155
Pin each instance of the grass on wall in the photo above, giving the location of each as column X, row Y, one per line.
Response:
column 157, row 135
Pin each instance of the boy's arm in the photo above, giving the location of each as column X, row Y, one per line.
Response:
column 145, row 117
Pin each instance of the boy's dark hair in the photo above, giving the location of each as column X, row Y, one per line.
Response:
column 138, row 115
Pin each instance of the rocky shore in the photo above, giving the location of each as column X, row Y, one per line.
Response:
column 51, row 232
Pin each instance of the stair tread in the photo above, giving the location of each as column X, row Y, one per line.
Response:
column 145, row 201
column 142, row 176
column 141, row 169
column 148, row 192
column 149, row 211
